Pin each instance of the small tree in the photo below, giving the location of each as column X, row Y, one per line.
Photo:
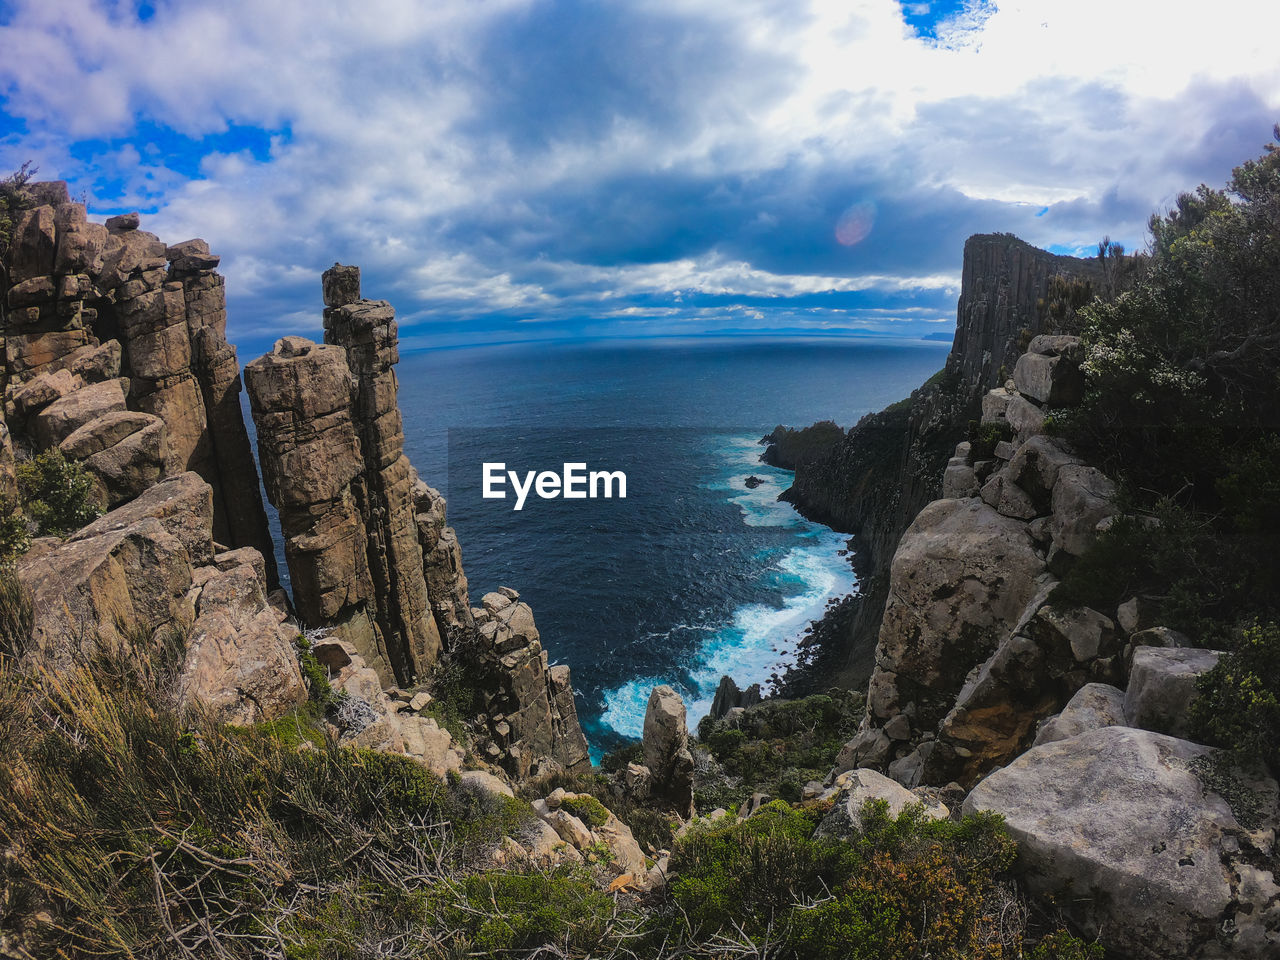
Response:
column 56, row 493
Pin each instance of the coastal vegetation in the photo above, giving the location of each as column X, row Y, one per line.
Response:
column 1181, row 409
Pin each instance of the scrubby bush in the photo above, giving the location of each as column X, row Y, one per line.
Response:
column 1180, row 407
column 775, row 747
column 56, row 493
column 1238, row 705
column 587, row 809
column 15, row 533
column 17, row 615
column 904, row 887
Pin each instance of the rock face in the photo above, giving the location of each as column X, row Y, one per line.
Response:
column 114, row 352
column 531, row 715
column 972, row 654
column 1116, row 825
column 666, row 751
column 875, row 481
column 729, row 697
column 370, row 554
column 107, row 325
column 310, row 454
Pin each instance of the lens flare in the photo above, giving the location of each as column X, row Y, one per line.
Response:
column 855, row 223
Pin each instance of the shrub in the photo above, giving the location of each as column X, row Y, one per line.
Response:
column 17, row 616
column 15, row 533
column 56, row 493
column 1239, row 699
column 907, row 886
column 501, row 913
column 983, row 438
column 587, row 809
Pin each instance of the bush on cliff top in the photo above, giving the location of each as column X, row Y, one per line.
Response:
column 1180, row 407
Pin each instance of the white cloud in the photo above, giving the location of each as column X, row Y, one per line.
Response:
column 437, row 145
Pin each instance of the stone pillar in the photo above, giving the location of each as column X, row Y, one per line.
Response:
column 311, row 461
column 366, row 331
column 239, row 516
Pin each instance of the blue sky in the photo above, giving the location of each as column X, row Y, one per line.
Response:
column 519, row 169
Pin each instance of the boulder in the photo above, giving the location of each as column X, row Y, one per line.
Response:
column 1026, row 419
column 1162, row 687
column 106, row 589
column 959, row 480
column 64, row 416
column 1094, row 706
column 481, row 780
column 1034, row 468
column 960, row 579
column 666, row 751
column 1082, row 498
column 1117, row 829
column 40, row 391
column 627, row 855
column 184, row 507
column 856, row 788
column 240, row 662
column 1052, row 381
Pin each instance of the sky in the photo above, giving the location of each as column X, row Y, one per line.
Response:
column 528, row 169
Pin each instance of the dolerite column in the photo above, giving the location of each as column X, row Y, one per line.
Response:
column 239, row 518
column 152, row 315
column 300, row 395
column 366, row 330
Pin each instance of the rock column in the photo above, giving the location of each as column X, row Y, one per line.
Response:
column 301, row 401
column 385, row 491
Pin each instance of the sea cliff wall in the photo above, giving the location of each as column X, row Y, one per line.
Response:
column 876, row 480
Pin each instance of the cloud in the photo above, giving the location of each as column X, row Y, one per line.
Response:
column 676, row 164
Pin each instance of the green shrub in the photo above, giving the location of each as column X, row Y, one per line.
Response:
column 983, row 438
column 776, row 747
column 501, row 913
column 17, row 616
column 15, row 533
column 907, row 886
column 1239, row 699
column 56, row 493
column 587, row 809
column 1063, row 946
column 618, row 759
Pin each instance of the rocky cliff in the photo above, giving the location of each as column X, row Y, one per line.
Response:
column 878, row 478
column 1069, row 721
column 115, row 355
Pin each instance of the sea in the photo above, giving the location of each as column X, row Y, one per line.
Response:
column 693, row 574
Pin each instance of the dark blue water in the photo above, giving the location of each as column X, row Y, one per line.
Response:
column 693, row 575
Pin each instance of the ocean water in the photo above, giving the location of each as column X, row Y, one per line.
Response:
column 693, row 575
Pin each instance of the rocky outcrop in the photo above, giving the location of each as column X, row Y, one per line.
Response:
column 729, row 697
column 874, row 482
column 301, row 401
column 1118, row 829
column 854, row 789
column 371, row 557
column 530, row 715
column 385, row 489
column 972, row 653
column 666, row 752
column 150, row 568
column 115, row 354
column 115, row 351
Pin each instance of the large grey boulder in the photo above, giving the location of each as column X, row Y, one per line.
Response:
column 858, row 787
column 1082, row 498
column 1094, row 706
column 1049, row 372
column 666, row 751
column 960, row 579
column 1117, row 828
column 1162, row 686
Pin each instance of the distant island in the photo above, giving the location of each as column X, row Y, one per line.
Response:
column 940, row 335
